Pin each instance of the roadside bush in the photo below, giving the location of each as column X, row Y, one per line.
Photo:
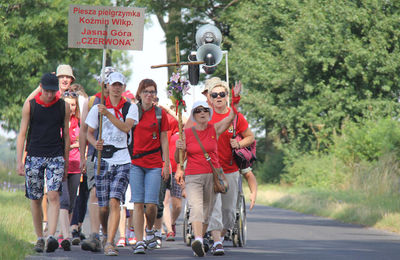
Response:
column 377, row 178
column 270, row 169
column 367, row 141
column 310, row 170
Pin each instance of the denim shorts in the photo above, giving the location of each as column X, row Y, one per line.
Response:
column 111, row 182
column 145, row 184
column 35, row 168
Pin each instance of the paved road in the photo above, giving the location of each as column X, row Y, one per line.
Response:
column 276, row 234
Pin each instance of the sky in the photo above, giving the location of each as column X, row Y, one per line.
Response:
column 154, row 53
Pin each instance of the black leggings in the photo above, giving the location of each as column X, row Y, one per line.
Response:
column 81, row 203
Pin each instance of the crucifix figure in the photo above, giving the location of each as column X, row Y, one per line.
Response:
column 177, row 66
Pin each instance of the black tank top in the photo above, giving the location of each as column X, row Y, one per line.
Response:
column 45, row 131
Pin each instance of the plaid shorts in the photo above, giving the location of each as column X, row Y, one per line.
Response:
column 174, row 187
column 35, row 168
column 111, row 182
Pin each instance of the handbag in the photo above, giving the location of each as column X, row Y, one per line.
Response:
column 220, row 182
column 244, row 156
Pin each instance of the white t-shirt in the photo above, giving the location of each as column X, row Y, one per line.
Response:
column 111, row 134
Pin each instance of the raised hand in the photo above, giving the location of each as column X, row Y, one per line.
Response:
column 237, row 88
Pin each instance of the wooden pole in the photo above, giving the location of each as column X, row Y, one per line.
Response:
column 101, row 102
column 178, row 64
column 180, row 124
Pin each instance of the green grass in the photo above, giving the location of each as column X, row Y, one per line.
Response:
column 378, row 211
column 16, row 228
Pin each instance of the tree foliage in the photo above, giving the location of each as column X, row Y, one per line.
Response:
column 182, row 18
column 34, row 40
column 310, row 65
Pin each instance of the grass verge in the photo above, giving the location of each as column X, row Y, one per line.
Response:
column 381, row 212
column 16, row 229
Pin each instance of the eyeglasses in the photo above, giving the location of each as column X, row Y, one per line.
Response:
column 146, row 92
column 201, row 109
column 215, row 94
column 70, row 94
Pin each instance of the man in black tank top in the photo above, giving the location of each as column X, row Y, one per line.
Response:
column 47, row 118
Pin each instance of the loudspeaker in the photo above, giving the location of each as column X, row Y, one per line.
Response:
column 208, row 34
column 194, row 70
column 211, row 54
column 208, row 39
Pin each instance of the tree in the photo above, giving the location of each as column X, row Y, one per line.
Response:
column 182, row 18
column 311, row 65
column 33, row 40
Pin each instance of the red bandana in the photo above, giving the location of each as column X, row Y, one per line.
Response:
column 40, row 102
column 121, row 103
column 98, row 95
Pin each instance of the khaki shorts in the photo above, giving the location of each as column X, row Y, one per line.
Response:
column 200, row 195
column 224, row 213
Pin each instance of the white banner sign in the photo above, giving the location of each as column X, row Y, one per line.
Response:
column 105, row 27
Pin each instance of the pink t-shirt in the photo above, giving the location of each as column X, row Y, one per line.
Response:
column 196, row 162
column 74, row 156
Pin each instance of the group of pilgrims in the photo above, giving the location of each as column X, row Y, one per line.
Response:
column 120, row 161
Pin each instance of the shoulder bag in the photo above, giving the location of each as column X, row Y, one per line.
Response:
column 220, row 181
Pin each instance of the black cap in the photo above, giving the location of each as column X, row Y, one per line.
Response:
column 49, row 82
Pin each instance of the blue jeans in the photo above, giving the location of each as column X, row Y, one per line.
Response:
column 145, row 184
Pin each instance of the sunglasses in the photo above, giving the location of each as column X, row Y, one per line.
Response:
column 215, row 94
column 201, row 109
column 70, row 94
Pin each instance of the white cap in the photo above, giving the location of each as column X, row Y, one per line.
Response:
column 116, row 77
column 200, row 104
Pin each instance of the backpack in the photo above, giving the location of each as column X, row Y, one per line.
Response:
column 159, row 118
column 244, row 156
column 32, row 109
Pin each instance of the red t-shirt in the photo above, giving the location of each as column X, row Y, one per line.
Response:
column 196, row 162
column 173, row 125
column 147, row 137
column 224, row 145
column 172, row 148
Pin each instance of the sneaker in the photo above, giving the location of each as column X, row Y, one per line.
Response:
column 197, row 248
column 59, row 240
column 121, row 242
column 66, row 244
column 75, row 237
column 174, row 229
column 218, row 249
column 81, row 235
column 170, row 236
column 39, row 246
column 132, row 241
column 159, row 242
column 152, row 242
column 51, row 244
column 206, row 244
column 104, row 240
column 139, row 248
column 109, row 250
column 92, row 243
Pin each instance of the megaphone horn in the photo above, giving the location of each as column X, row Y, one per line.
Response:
column 210, row 53
column 208, row 34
